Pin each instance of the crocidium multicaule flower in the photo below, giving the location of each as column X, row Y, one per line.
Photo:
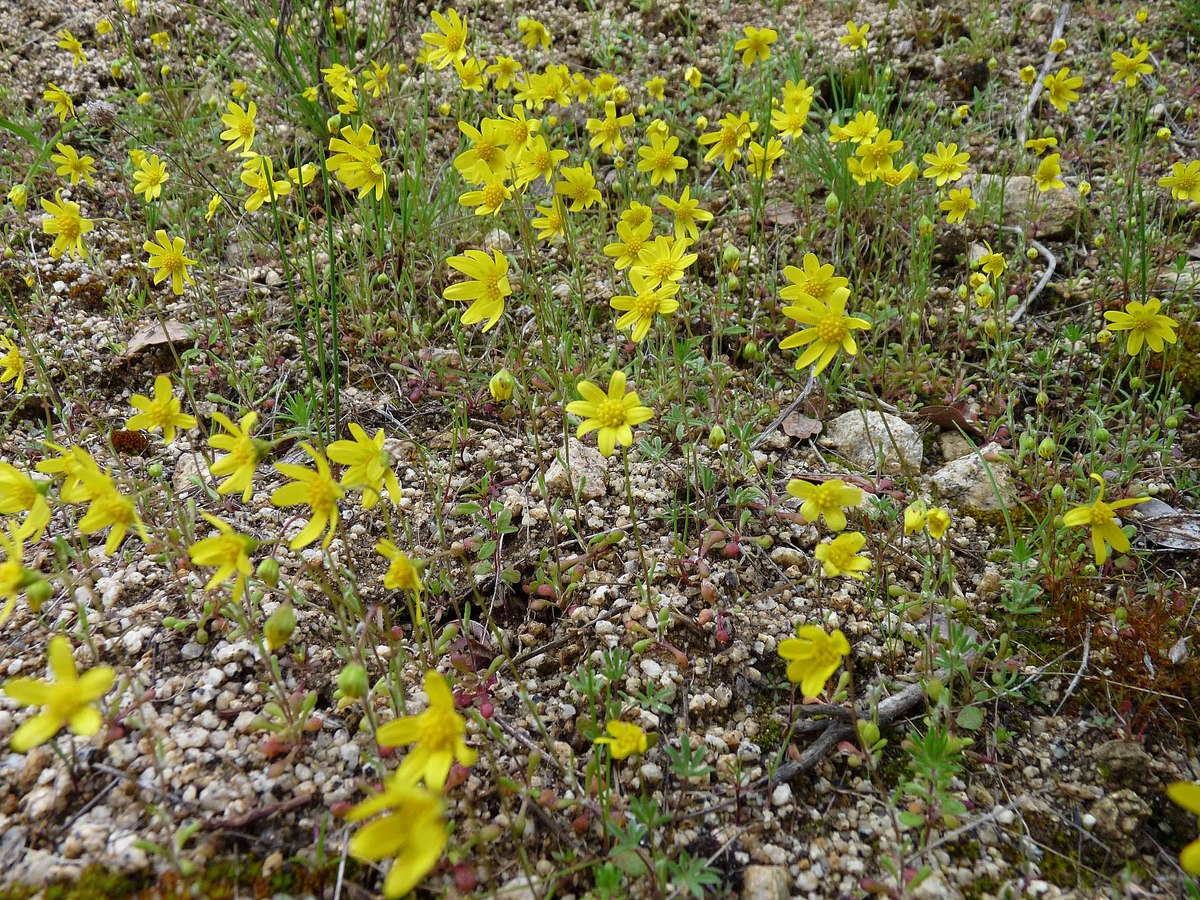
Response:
column 578, row 185
column 812, row 657
column 21, row 494
column 1060, row 88
column 612, row 416
column 451, row 43
column 369, row 466
column 660, row 161
column 150, row 177
column 18, row 196
column 855, row 38
column 664, row 259
column 957, row 204
column 687, row 214
column 501, row 386
column 828, row 328
column 938, row 522
column 606, row 132
column 64, row 108
column 229, row 551
column 760, row 160
column 726, row 142
column 756, row 45
column 489, row 198
column 946, row 163
column 258, row 174
column 1184, row 181
column 916, row 514
column 533, row 33
column 12, row 364
column 315, row 489
column 72, row 166
column 624, row 739
column 66, row 222
column 412, row 833
column 164, row 411
column 1042, row 144
column 168, row 258
column 239, row 129
column 471, row 76
column 1102, row 519
column 67, row 699
column 827, row 499
column 1130, row 69
column 840, row 556
column 487, row 288
column 357, row 161
column 437, row 733
column 108, row 508
column 1187, row 795
column 642, row 306
column 68, row 41
column 1046, row 177
column 1148, row 327
column 14, row 577
column 243, row 453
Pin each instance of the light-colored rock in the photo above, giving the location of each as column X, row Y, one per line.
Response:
column 953, row 445
column 188, row 466
column 785, row 557
column 520, row 888
column 766, row 883
column 965, row 482
column 1119, row 817
column 1053, row 212
column 1184, row 281
column 498, row 239
column 589, row 471
column 875, row 442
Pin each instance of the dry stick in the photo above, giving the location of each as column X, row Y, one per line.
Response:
column 1036, row 91
column 1051, row 265
column 1087, row 652
column 787, row 411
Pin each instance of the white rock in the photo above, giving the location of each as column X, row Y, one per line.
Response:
column 589, row 471
column 965, row 482
column 875, row 442
column 782, row 795
column 191, row 738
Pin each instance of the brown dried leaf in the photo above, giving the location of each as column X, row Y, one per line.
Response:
column 801, row 427
column 781, row 215
column 160, row 335
column 950, row 418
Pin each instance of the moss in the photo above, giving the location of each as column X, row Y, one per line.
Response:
column 1188, row 373
column 770, row 731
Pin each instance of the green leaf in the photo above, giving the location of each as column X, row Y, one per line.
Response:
column 969, row 718
column 23, row 133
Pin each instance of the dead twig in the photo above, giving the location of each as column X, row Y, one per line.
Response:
column 1036, row 91
column 259, row 812
column 1051, row 265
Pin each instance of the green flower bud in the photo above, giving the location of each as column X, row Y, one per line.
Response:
column 155, row 471
column 735, row 283
column 353, row 682
column 1025, row 443
column 38, row 592
column 1057, row 493
column 1101, row 435
column 925, row 226
column 268, row 572
column 933, row 689
column 716, row 437
column 1042, row 399
column 1172, row 422
column 868, row 732
column 1047, row 448
column 832, row 204
column 280, row 626
column 991, row 327
column 730, row 257
column 501, row 386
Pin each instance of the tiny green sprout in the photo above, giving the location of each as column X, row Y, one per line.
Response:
column 868, row 732
column 993, row 63
column 934, row 321
column 934, row 689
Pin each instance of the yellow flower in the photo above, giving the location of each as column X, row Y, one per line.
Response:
column 240, row 130
column 628, row 250
column 412, row 834
column 229, row 551
column 551, row 224
column 258, row 174
column 1130, row 69
column 68, row 41
column 161, row 40
column 60, row 99
column 660, row 161
column 12, row 363
column 402, row 575
column 242, row 454
column 611, row 415
column 876, row 154
column 315, row 489
column 14, row 577
column 72, row 464
column 438, row 735
column 946, row 163
column 916, row 514
column 368, row 465
column 18, row 196
column 664, row 259
column 376, row 81
column 164, row 411
column 357, row 161
column 538, row 161
column 829, row 329
column 624, row 739
column 503, row 71
column 451, row 44
column 72, row 165
column 839, row 556
column 647, row 301
column 1145, row 324
column 992, row 263
column 692, row 76
column 863, row 127
column 756, row 45
column 855, row 38
column 760, row 161
column 813, row 656
column 470, row 74
column 1184, row 181
column 168, row 258
column 20, row 493
column 1028, row 74
column 66, row 699
column 792, row 117
column 339, row 78
column 812, row 282
column 533, row 33
column 727, row 140
column 501, row 385
column 686, row 212
column 825, row 499
column 108, row 507
column 606, row 132
column 67, row 224
column 579, row 186
column 656, row 88
column 486, row 290
column 103, row 27
column 1046, row 177
column 1041, row 145
column 1187, row 795
column 489, row 198
column 1102, row 519
column 149, row 178
column 1060, row 88
column 938, row 522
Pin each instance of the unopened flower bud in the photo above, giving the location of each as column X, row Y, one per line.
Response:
column 38, row 592
column 730, row 257
column 1057, row 493
column 832, row 204
column 268, row 572
column 352, row 681
column 1047, row 448
column 501, row 385
column 925, row 226
column 1042, row 399
column 279, row 626
column 716, row 437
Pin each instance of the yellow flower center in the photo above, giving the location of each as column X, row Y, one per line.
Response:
column 115, row 508
column 11, row 576
column 832, row 329
column 611, row 413
column 491, row 287
column 610, row 129
column 68, row 226
column 645, row 305
column 172, row 262
column 1101, row 514
column 321, row 496
column 439, row 729
column 485, row 151
column 664, row 268
column 664, row 159
column 633, row 246
column 454, row 43
column 493, row 195
column 245, row 129
column 1188, row 181
column 729, row 138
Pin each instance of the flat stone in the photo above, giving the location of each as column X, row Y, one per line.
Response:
column 967, row 482
column 875, row 442
column 766, row 883
column 1043, row 214
column 588, row 470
